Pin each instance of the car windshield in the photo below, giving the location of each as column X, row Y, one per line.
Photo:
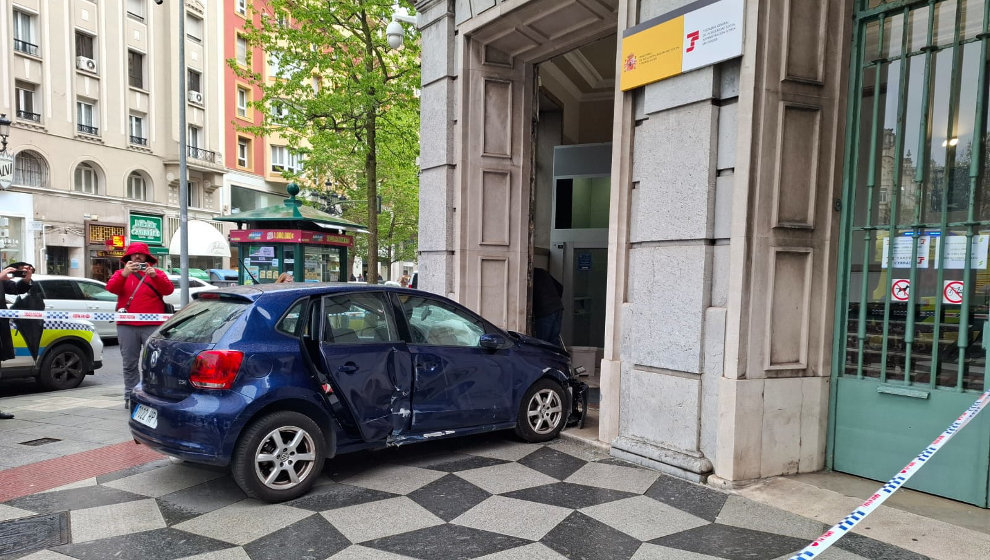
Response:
column 204, row 320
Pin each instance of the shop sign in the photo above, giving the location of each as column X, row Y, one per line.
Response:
column 700, row 34
column 290, row 236
column 98, row 234
column 146, row 229
column 6, row 170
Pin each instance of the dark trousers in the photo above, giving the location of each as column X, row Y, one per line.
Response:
column 131, row 339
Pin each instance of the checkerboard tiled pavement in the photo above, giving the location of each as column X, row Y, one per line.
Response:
column 485, row 497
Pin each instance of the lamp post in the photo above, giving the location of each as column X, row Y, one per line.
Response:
column 183, row 166
column 4, row 131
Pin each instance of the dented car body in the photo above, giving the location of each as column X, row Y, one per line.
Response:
column 273, row 379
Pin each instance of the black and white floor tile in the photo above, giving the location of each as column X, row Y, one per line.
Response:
column 489, row 497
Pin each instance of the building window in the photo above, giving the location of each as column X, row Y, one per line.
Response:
column 241, row 50
column 280, row 109
column 136, row 8
column 242, row 102
column 240, row 6
column 284, row 160
column 317, row 84
column 194, row 28
column 137, row 187
column 138, row 135
column 25, row 39
column 135, row 69
column 30, row 170
column 194, row 79
column 274, row 65
column 194, row 138
column 26, row 101
column 192, row 195
column 85, row 45
column 243, row 152
column 86, row 180
column 86, row 118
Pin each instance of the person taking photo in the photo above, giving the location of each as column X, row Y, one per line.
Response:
column 15, row 279
column 139, row 287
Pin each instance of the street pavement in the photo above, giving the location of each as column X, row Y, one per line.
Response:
column 74, row 485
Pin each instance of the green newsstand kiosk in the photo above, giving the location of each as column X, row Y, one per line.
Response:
column 291, row 237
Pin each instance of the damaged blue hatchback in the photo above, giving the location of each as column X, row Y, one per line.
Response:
column 271, row 380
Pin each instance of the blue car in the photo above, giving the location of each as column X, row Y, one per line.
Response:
column 273, row 379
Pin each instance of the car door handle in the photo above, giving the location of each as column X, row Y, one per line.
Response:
column 349, row 367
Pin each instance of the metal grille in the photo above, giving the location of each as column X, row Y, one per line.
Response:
column 915, row 284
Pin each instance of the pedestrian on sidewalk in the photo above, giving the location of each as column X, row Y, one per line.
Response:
column 22, row 271
column 139, row 287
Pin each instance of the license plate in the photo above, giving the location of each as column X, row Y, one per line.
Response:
column 146, row 415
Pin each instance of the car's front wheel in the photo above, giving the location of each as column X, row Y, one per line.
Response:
column 64, row 367
column 542, row 412
column 279, row 456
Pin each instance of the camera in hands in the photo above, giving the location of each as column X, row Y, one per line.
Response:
column 19, row 273
column 142, row 266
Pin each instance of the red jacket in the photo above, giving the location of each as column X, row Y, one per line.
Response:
column 145, row 300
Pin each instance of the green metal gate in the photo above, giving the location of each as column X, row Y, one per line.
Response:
column 913, row 285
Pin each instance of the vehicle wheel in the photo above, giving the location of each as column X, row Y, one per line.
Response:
column 64, row 367
column 542, row 411
column 279, row 456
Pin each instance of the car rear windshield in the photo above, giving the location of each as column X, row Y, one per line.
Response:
column 204, row 321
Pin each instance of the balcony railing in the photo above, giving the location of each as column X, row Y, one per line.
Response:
column 26, row 48
column 29, row 116
column 86, row 129
column 139, row 140
column 198, row 153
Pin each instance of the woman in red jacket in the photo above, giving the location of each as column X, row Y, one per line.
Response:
column 140, row 288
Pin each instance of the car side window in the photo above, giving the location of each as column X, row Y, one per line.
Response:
column 290, row 321
column 60, row 289
column 436, row 323
column 357, row 318
column 95, row 291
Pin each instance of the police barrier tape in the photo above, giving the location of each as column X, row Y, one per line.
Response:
column 822, row 543
column 88, row 315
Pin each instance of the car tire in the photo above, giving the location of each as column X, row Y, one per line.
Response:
column 63, row 367
column 279, row 456
column 542, row 411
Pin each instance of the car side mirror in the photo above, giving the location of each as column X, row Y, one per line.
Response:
column 492, row 341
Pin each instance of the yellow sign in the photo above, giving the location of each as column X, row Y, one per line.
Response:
column 652, row 54
column 679, row 42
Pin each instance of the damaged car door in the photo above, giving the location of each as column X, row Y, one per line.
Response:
column 367, row 361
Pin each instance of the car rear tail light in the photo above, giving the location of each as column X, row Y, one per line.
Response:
column 216, row 369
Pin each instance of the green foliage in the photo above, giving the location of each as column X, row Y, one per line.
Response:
column 334, row 90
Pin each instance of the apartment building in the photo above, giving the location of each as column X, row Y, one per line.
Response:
column 254, row 163
column 93, row 95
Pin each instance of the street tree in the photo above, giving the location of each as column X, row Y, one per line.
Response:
column 346, row 103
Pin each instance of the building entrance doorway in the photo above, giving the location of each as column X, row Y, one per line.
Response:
column 911, row 324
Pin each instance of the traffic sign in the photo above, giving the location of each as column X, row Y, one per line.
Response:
column 900, row 289
column 952, row 292
column 6, row 170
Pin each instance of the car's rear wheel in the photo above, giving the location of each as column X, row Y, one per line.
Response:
column 279, row 456
column 542, row 411
column 64, row 367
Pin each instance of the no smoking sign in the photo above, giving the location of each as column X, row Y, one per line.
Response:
column 952, row 292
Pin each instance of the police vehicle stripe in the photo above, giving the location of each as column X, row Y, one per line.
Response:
column 91, row 316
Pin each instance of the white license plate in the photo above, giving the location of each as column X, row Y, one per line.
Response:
column 146, row 415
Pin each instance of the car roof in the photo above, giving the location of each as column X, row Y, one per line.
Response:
column 309, row 288
column 58, row 277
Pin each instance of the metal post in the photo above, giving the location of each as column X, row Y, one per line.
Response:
column 183, row 170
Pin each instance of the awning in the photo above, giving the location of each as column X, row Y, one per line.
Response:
column 204, row 241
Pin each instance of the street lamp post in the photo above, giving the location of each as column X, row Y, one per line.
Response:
column 4, row 132
column 183, row 166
